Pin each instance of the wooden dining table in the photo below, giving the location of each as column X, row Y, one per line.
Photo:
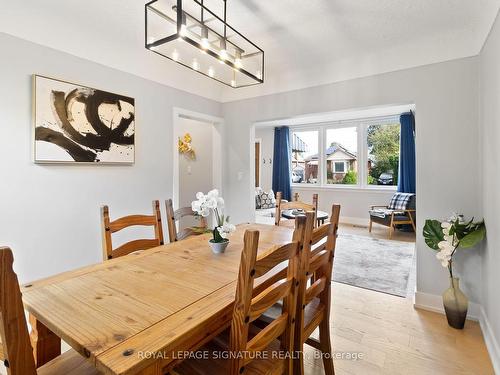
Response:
column 141, row 313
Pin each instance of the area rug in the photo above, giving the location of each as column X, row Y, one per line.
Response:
column 370, row 263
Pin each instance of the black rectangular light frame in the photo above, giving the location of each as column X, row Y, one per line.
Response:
column 194, row 43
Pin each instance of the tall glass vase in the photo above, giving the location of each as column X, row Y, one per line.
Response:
column 455, row 304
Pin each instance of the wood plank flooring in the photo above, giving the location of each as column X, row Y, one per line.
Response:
column 395, row 338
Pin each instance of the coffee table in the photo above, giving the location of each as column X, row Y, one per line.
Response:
column 321, row 216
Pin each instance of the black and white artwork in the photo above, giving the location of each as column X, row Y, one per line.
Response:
column 80, row 124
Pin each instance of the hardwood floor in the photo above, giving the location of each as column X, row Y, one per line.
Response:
column 394, row 338
column 378, row 231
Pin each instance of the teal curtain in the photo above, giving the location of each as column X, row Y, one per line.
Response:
column 282, row 163
column 407, row 169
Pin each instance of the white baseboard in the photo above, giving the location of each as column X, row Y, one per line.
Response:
column 361, row 221
column 491, row 341
column 432, row 302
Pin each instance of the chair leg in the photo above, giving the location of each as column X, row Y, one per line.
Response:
column 326, row 347
column 391, row 227
column 298, row 362
column 370, row 226
column 412, row 223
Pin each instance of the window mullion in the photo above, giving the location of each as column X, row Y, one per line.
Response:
column 322, row 158
column 362, row 155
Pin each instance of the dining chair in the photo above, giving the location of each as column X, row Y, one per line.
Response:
column 109, row 227
column 16, row 350
column 314, row 292
column 174, row 216
column 245, row 338
column 294, row 205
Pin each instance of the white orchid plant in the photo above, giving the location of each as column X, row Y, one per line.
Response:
column 447, row 236
column 204, row 204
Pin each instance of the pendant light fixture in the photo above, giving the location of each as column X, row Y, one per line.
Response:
column 189, row 33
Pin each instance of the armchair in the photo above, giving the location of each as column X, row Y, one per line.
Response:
column 401, row 210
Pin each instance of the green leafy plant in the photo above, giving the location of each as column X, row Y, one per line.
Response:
column 447, row 236
column 350, row 178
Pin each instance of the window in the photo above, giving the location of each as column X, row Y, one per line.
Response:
column 304, row 145
column 339, row 167
column 341, row 156
column 383, row 154
column 358, row 153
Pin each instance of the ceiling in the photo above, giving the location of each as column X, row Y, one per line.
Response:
column 307, row 43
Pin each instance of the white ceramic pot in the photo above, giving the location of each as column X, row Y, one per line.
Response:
column 218, row 247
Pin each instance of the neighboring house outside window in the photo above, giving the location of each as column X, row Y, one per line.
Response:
column 339, row 161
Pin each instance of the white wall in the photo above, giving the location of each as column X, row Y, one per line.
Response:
column 266, row 135
column 49, row 214
column 490, row 193
column 354, row 202
column 446, row 102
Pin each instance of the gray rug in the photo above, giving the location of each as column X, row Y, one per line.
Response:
column 370, row 263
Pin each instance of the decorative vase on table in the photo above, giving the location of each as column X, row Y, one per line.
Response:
column 446, row 238
column 212, row 202
column 455, row 304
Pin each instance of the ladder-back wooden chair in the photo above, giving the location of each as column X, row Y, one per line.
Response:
column 109, row 227
column 295, row 204
column 174, row 216
column 246, row 338
column 16, row 350
column 314, row 294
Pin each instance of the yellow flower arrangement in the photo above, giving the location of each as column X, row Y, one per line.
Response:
column 185, row 147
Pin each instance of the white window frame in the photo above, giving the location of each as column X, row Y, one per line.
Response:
column 361, row 126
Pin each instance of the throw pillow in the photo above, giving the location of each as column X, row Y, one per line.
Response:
column 267, row 199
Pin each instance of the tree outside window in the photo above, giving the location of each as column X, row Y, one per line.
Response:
column 383, row 154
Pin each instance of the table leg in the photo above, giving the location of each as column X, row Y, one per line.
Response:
column 46, row 345
column 154, row 369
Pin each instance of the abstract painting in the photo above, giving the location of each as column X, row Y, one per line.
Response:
column 79, row 124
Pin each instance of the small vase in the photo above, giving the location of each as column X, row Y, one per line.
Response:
column 218, row 247
column 455, row 304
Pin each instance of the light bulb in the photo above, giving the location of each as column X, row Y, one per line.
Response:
column 211, row 72
column 204, row 38
column 183, row 31
column 223, row 51
column 237, row 59
column 223, row 54
column 233, row 83
column 195, row 65
column 175, row 55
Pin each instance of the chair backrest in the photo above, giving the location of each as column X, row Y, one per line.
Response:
column 174, row 216
column 316, row 264
column 16, row 345
column 249, row 306
column 294, row 205
column 109, row 227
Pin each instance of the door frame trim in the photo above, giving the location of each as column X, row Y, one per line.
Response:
column 217, row 149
